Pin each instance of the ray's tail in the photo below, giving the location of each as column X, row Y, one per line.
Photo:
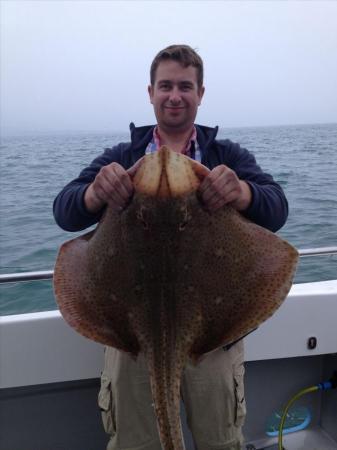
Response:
column 166, row 350
column 165, row 377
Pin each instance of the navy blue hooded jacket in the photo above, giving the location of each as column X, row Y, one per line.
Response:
column 269, row 207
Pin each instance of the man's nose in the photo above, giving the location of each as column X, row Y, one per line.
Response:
column 175, row 96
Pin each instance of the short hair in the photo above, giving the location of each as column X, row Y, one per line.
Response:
column 183, row 54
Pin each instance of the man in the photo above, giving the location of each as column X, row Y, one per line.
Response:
column 212, row 391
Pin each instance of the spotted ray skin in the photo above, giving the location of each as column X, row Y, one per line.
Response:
column 168, row 279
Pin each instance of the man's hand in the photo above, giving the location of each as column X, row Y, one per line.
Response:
column 112, row 186
column 221, row 187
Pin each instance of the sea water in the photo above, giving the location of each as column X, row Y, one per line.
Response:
column 35, row 168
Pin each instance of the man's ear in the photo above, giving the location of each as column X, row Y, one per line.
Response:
column 201, row 93
column 150, row 91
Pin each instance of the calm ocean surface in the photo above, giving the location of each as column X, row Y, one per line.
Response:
column 303, row 159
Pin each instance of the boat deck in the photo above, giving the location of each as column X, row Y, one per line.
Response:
column 49, row 377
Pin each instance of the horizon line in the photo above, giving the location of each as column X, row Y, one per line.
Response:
column 23, row 132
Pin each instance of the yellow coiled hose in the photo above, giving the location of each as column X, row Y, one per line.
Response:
column 286, row 409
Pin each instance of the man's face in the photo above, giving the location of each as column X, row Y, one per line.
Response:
column 175, row 96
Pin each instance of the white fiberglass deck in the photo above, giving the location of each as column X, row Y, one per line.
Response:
column 41, row 348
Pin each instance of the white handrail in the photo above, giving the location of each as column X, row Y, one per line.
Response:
column 322, row 251
column 26, row 276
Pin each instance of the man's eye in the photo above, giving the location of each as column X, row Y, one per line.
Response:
column 165, row 87
column 186, row 87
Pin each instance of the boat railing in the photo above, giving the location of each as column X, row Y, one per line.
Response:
column 26, row 276
column 48, row 274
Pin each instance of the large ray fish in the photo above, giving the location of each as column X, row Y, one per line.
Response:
column 166, row 278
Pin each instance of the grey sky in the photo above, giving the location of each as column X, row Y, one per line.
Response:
column 74, row 65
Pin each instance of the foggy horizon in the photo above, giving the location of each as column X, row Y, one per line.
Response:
column 126, row 131
column 83, row 67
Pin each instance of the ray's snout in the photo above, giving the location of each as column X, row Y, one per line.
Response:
column 166, row 174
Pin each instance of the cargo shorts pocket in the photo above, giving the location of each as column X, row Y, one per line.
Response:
column 106, row 405
column 240, row 402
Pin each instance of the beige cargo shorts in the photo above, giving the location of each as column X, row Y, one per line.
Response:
column 212, row 392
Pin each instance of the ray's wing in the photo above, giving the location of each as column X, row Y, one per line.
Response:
column 90, row 282
column 239, row 273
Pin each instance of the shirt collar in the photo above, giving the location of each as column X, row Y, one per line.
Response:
column 186, row 150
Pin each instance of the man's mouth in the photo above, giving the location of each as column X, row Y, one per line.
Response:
column 174, row 108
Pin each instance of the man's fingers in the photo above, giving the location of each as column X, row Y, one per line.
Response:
column 210, row 179
column 217, row 202
column 132, row 170
column 104, row 193
column 113, row 186
column 117, row 179
column 216, row 189
column 220, row 187
column 121, row 183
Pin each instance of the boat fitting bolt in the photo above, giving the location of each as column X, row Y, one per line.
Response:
column 312, row 343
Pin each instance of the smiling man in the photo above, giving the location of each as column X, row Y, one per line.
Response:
column 212, row 391
column 176, row 94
